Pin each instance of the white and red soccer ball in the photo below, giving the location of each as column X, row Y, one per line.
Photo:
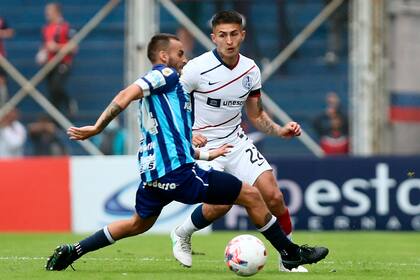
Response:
column 245, row 255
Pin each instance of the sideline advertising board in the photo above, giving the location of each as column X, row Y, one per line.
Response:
column 103, row 190
column 343, row 193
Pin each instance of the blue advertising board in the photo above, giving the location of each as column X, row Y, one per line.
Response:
column 344, row 193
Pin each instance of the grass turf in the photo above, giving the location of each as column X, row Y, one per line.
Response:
column 353, row 255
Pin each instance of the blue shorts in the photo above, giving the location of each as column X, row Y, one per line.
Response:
column 188, row 184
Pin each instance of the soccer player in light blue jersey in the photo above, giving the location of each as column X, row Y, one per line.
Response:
column 166, row 163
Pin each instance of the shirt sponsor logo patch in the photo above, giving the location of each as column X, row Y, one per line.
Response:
column 163, row 186
column 213, row 102
column 233, row 103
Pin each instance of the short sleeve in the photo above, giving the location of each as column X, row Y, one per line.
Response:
column 257, row 84
column 190, row 77
column 255, row 94
column 158, row 81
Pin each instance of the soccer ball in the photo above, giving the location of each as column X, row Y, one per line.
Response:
column 245, row 255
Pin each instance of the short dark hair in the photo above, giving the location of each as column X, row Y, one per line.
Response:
column 227, row 17
column 158, row 43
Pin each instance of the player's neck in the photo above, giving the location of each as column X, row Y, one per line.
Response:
column 231, row 62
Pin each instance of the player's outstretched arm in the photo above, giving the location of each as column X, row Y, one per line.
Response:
column 261, row 121
column 212, row 154
column 118, row 104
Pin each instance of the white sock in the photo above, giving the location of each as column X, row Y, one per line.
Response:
column 269, row 224
column 108, row 235
column 186, row 229
column 289, row 236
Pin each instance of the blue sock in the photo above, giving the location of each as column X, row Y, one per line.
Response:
column 99, row 239
column 198, row 219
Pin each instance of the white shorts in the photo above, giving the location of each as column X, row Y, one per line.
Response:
column 244, row 161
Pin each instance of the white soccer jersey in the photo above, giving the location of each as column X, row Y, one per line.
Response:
column 219, row 94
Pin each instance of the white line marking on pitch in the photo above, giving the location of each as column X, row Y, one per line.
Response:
column 144, row 259
column 153, row 259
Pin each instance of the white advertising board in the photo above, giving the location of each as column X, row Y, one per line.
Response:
column 103, row 190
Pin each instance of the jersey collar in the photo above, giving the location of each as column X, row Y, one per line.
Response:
column 156, row 66
column 216, row 54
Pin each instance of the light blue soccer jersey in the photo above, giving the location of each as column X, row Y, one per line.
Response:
column 165, row 124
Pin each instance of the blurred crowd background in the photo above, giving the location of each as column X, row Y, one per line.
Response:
column 312, row 86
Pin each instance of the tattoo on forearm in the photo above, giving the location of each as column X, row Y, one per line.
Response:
column 266, row 125
column 110, row 113
column 259, row 105
column 263, row 122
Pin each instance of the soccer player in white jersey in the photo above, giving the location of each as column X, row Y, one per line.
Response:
column 222, row 82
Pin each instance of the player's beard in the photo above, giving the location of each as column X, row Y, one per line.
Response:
column 178, row 66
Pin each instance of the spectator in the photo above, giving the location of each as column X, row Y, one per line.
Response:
column 5, row 33
column 332, row 127
column 336, row 142
column 12, row 135
column 56, row 33
column 45, row 138
column 112, row 139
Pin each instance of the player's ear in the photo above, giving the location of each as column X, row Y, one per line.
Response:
column 243, row 33
column 163, row 56
column 213, row 37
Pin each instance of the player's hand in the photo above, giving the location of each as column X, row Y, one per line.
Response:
column 198, row 140
column 291, row 129
column 82, row 133
column 221, row 151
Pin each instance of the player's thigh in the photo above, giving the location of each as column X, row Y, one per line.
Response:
column 223, row 188
column 247, row 163
column 149, row 202
column 250, row 197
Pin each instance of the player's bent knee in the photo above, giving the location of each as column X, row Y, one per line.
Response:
column 276, row 199
column 251, row 195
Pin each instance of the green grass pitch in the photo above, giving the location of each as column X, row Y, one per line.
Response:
column 353, row 255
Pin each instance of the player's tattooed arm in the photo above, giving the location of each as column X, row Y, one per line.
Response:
column 120, row 102
column 260, row 119
column 108, row 115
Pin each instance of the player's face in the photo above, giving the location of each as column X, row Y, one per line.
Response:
column 176, row 55
column 50, row 12
column 228, row 38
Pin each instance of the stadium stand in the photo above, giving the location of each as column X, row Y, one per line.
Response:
column 97, row 71
column 98, row 66
column 301, row 90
